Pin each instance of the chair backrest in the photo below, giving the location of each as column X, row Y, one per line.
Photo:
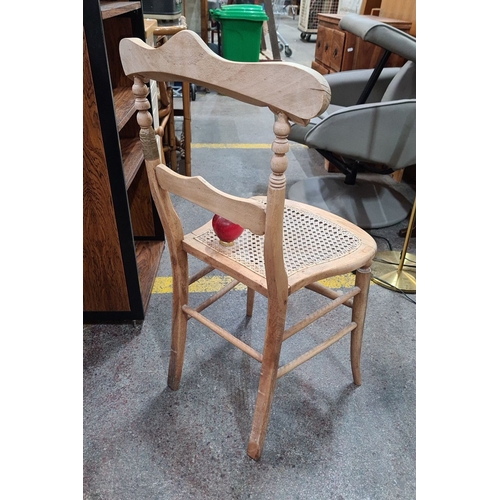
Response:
column 293, row 92
column 299, row 92
column 403, row 85
column 381, row 34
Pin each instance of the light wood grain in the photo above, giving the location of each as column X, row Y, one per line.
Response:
column 401, row 9
column 203, row 67
column 262, row 216
column 249, row 214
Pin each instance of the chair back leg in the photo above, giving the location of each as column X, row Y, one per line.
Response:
column 250, row 301
column 276, row 315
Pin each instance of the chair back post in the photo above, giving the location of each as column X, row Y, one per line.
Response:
column 145, row 121
column 168, row 216
column 273, row 242
column 277, row 285
column 276, row 275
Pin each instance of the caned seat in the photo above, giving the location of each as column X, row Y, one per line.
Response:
column 285, row 245
column 313, row 240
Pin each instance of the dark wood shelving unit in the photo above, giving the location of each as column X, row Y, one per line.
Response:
column 124, row 105
column 123, row 239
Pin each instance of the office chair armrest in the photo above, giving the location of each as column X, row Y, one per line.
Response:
column 347, row 86
column 375, row 133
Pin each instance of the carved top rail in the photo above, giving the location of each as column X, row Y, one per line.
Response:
column 299, row 92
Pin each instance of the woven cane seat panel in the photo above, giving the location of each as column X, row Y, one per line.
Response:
column 308, row 240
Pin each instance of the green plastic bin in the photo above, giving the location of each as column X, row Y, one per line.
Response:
column 241, row 26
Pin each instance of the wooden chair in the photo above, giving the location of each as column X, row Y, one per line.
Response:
column 286, row 246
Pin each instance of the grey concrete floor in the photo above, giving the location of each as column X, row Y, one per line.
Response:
column 327, row 439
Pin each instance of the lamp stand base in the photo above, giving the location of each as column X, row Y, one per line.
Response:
column 385, row 271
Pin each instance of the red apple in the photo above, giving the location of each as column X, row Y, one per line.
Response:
column 226, row 230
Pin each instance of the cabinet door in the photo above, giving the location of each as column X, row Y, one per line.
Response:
column 330, row 47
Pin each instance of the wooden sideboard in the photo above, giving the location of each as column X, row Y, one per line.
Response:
column 338, row 50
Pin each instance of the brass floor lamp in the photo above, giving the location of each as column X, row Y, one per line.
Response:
column 397, row 270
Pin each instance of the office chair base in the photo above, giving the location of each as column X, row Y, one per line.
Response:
column 368, row 204
column 385, row 271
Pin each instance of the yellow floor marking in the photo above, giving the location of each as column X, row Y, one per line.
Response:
column 238, row 146
column 215, row 283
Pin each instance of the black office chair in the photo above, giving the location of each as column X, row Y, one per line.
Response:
column 370, row 127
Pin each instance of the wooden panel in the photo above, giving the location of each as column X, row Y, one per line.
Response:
column 149, row 26
column 148, row 261
column 323, row 45
column 330, row 47
column 204, row 19
column 104, row 285
column 141, row 205
column 368, row 5
column 132, row 158
column 124, row 105
column 336, row 50
column 323, row 70
column 349, row 50
column 115, row 29
column 401, row 9
column 400, row 24
column 111, row 9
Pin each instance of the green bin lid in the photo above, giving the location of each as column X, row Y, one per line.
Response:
column 245, row 12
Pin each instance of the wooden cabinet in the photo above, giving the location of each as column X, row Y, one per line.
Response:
column 338, row 50
column 122, row 237
column 397, row 9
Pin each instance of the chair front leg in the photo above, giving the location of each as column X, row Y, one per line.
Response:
column 363, row 276
column 179, row 322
